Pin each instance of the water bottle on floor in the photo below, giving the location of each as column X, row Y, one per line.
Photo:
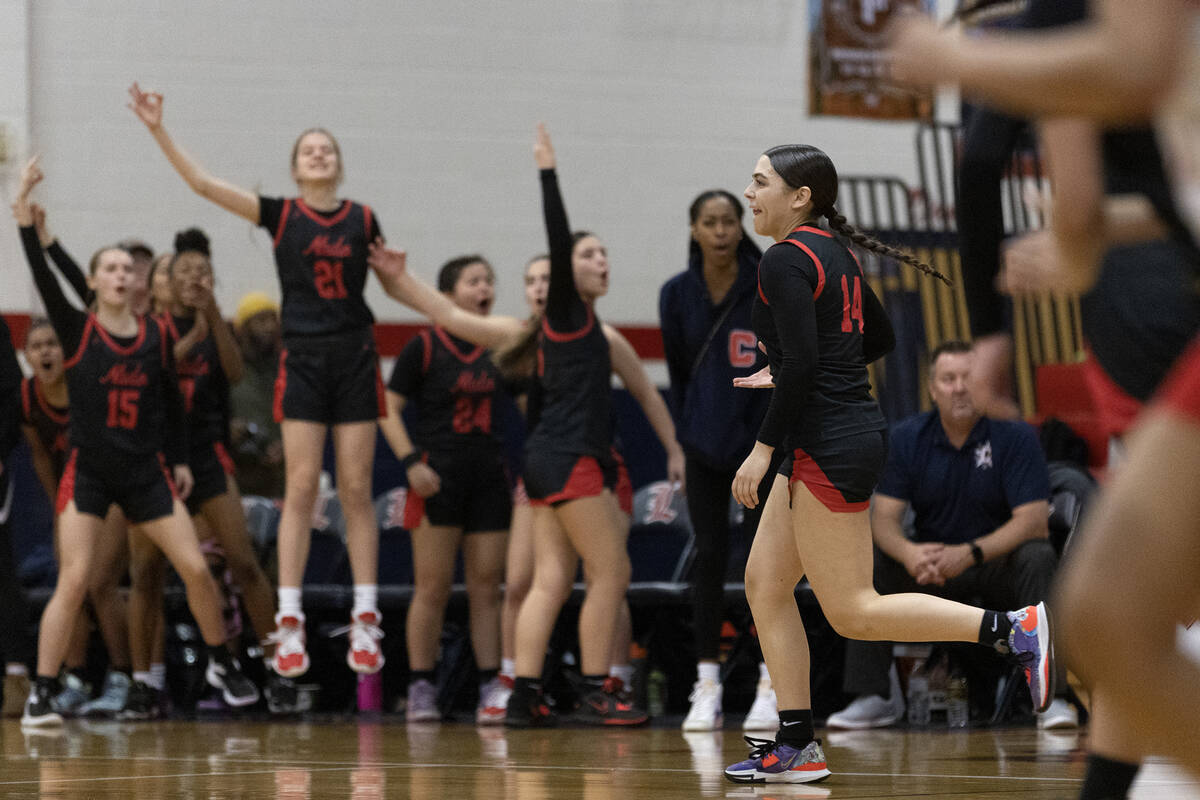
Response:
column 918, row 696
column 958, row 711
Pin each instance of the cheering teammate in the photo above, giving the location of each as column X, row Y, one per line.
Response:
column 124, row 395
column 328, row 370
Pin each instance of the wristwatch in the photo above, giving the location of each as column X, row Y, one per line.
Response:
column 976, row 553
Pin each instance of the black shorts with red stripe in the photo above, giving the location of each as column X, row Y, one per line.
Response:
column 211, row 466
column 144, row 493
column 330, row 379
column 476, row 494
column 842, row 473
column 554, row 478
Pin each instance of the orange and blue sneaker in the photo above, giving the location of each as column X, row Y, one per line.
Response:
column 774, row 762
column 606, row 705
column 1029, row 642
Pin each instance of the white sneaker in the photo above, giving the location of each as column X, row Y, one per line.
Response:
column 764, row 713
column 493, row 701
column 871, row 710
column 422, row 703
column 291, row 656
column 705, row 713
column 1059, row 715
column 364, row 655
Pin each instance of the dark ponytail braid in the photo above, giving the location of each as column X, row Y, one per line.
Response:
column 838, row 223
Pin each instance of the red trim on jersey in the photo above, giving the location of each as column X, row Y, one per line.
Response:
column 162, row 464
column 811, row 229
column 1181, row 389
column 324, row 222
column 820, row 267
column 466, row 358
column 280, row 385
column 106, row 337
column 283, row 216
column 78, row 354
column 427, row 350
column 573, row 335
column 66, row 484
column 162, row 322
column 57, row 415
column 850, row 250
column 805, row 469
column 224, row 458
column 26, row 405
column 367, row 222
column 586, row 480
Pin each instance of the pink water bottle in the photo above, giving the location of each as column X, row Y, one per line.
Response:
column 370, row 692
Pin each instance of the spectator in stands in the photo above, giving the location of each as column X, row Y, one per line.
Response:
column 980, row 492
column 257, row 443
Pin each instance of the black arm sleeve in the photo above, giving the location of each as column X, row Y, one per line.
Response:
column 678, row 366
column 565, row 309
column 879, row 338
column 270, row 209
column 175, row 440
column 69, row 269
column 67, row 320
column 789, row 294
column 10, row 392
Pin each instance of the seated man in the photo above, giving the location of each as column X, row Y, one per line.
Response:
column 980, row 494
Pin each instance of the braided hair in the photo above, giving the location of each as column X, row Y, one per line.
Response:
column 805, row 165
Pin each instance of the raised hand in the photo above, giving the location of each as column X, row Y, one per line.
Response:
column 386, row 262
column 543, row 149
column 31, row 176
column 147, row 106
column 45, row 237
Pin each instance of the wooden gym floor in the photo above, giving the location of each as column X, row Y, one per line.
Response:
column 327, row 758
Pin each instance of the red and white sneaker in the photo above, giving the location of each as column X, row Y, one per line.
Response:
column 364, row 655
column 493, row 701
column 291, row 657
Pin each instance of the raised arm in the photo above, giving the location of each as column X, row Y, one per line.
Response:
column 149, row 109
column 565, row 309
column 628, row 367
column 67, row 266
column 390, row 265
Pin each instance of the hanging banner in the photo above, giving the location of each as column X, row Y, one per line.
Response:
column 847, row 69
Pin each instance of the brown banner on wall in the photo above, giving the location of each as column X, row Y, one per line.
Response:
column 847, row 70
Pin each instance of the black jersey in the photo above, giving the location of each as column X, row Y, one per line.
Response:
column 455, row 386
column 119, row 388
column 821, row 325
column 321, row 258
column 203, row 384
column 48, row 421
column 574, row 412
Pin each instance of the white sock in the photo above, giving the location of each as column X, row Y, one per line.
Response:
column 144, row 677
column 763, row 675
column 16, row 669
column 158, row 676
column 508, row 667
column 709, row 670
column 622, row 671
column 365, row 595
column 289, row 602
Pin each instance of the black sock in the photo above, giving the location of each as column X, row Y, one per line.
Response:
column 994, row 630
column 78, row 672
column 594, row 683
column 46, row 686
column 415, row 675
column 795, row 727
column 220, row 654
column 486, row 675
column 527, row 688
column 1107, row 779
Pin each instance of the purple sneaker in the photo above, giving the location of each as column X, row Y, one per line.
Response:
column 772, row 762
column 1029, row 641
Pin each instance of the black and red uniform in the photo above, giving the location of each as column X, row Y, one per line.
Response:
column 205, row 390
column 568, row 453
column 821, row 325
column 329, row 369
column 127, row 421
column 48, row 421
column 455, row 386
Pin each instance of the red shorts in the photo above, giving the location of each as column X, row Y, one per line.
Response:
column 1181, row 389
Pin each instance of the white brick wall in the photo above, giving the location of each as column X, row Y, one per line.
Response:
column 434, row 102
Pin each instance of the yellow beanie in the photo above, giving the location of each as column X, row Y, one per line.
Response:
column 253, row 303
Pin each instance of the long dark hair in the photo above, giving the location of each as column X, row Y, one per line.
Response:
column 449, row 273
column 805, row 165
column 747, row 247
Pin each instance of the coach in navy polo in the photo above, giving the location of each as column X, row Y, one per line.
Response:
column 979, row 491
